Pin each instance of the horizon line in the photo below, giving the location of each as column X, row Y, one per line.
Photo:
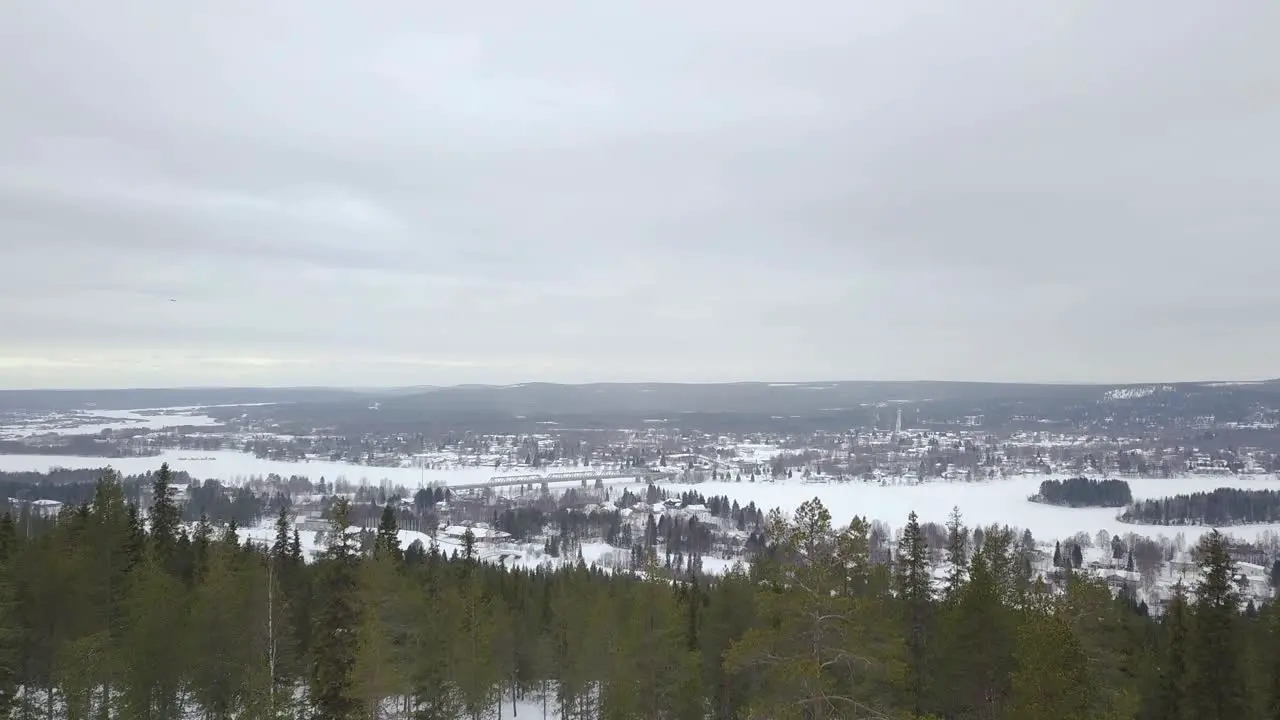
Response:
column 775, row 383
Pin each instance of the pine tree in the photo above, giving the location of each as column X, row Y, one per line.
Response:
column 280, row 547
column 1051, row 679
column 115, row 551
column 200, row 541
column 155, row 660
column 693, row 611
column 1271, row 660
column 957, row 554
column 387, row 541
column 1217, row 678
column 978, row 635
column 806, row 645
column 164, row 518
column 221, row 663
column 335, row 642
column 379, row 665
column 1167, row 697
column 10, row 634
column 915, row 589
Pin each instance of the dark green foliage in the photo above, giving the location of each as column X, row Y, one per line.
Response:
column 1223, row 506
column 100, row 620
column 336, row 622
column 387, row 540
column 915, row 589
column 1084, row 492
column 1167, row 697
column 1218, row 683
column 163, row 517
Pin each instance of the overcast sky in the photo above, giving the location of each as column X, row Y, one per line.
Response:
column 417, row 192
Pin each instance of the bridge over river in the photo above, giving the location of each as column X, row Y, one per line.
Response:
column 589, row 476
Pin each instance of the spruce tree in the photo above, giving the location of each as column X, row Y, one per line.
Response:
column 164, row 518
column 334, row 640
column 957, row 554
column 154, row 605
column 914, row 588
column 807, row 646
column 378, row 669
column 1271, row 659
column 1051, row 679
column 115, row 552
column 387, row 540
column 1217, row 678
column 1166, row 697
column 220, row 638
column 977, row 637
column 280, row 547
column 10, row 636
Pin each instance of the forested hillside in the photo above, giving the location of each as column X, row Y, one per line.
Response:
column 99, row 619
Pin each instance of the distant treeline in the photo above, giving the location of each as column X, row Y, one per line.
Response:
column 73, row 488
column 1084, row 492
column 81, row 445
column 1223, row 506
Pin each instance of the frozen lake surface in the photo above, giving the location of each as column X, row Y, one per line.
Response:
column 232, row 466
column 85, row 422
column 985, row 503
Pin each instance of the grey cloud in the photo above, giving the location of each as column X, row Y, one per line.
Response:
column 421, row 193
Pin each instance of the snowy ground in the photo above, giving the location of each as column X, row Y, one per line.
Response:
column 530, row 708
column 94, row 421
column 997, row 501
column 982, row 503
column 231, row 466
column 511, row 554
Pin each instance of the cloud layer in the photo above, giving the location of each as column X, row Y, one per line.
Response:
column 426, row 193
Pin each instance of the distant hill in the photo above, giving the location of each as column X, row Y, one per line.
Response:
column 741, row 406
column 130, row 399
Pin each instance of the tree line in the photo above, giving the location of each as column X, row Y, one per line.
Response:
column 216, row 503
column 1084, row 492
column 1223, row 506
column 74, row 486
column 106, row 615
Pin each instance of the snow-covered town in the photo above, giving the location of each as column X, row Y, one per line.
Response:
column 665, row 499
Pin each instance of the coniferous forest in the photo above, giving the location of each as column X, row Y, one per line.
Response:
column 103, row 615
column 1223, row 506
column 1084, row 492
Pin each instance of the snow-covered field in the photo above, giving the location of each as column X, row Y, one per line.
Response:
column 232, row 466
column 984, row 503
column 95, row 421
